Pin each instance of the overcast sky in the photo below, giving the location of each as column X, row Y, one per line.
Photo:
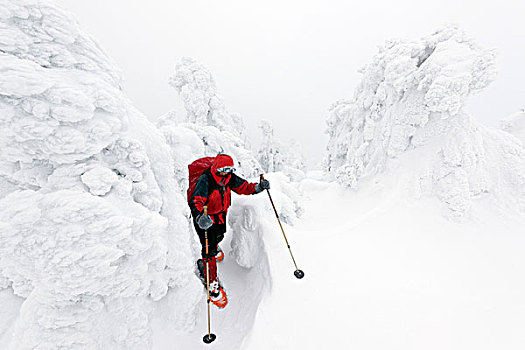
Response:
column 288, row 61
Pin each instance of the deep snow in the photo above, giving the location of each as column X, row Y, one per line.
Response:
column 382, row 271
column 386, row 272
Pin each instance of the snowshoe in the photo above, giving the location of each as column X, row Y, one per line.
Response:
column 217, row 293
column 220, row 254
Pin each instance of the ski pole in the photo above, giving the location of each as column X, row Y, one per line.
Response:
column 208, row 338
column 298, row 273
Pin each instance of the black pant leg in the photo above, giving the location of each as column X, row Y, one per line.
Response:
column 215, row 236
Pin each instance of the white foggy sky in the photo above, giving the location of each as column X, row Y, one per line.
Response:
column 288, row 61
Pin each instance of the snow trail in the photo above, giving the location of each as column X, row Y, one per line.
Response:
column 384, row 277
column 245, row 288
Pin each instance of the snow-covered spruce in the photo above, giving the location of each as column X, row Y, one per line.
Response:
column 93, row 225
column 411, row 97
column 276, row 157
column 198, row 92
column 207, row 128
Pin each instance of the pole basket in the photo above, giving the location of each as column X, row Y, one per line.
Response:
column 208, row 338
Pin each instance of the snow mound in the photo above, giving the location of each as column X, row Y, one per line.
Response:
column 250, row 218
column 93, row 227
column 411, row 99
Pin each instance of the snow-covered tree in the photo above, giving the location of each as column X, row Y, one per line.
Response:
column 270, row 155
column 275, row 157
column 411, row 98
column 208, row 128
column 198, row 92
column 93, row 226
column 295, row 158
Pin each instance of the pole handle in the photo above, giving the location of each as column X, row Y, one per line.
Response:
column 261, row 177
column 205, row 210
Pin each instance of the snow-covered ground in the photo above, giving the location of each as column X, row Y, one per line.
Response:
column 383, row 272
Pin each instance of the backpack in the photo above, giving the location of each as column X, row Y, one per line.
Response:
column 195, row 170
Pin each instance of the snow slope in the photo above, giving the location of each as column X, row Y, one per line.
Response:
column 382, row 270
column 386, row 272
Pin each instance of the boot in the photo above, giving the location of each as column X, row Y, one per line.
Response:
column 220, row 254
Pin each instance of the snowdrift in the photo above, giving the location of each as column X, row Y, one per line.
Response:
column 387, row 271
column 411, row 98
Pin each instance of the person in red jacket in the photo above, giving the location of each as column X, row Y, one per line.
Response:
column 213, row 189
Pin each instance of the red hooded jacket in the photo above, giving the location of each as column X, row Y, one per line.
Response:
column 215, row 191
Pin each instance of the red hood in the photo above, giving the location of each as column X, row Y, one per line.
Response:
column 221, row 161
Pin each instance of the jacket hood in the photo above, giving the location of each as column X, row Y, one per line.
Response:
column 221, row 161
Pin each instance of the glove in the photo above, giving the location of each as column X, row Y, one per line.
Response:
column 263, row 185
column 204, row 221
